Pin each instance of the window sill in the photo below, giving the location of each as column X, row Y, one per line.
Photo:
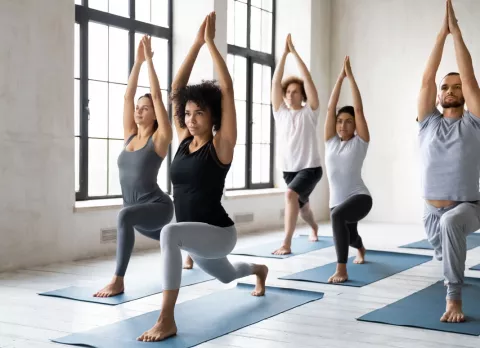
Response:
column 254, row 193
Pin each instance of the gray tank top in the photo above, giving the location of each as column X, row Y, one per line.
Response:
column 450, row 157
column 138, row 174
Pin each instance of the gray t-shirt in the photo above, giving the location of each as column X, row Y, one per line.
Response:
column 450, row 157
column 344, row 162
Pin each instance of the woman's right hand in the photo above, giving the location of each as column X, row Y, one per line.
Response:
column 287, row 46
column 200, row 38
column 343, row 73
column 140, row 52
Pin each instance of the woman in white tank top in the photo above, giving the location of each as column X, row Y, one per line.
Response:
column 346, row 143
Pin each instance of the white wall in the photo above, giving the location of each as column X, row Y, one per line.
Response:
column 38, row 224
column 389, row 43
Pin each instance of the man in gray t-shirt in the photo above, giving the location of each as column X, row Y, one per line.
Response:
column 450, row 164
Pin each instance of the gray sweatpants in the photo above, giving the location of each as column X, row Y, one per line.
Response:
column 208, row 246
column 447, row 230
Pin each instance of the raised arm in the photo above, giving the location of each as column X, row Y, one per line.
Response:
column 331, row 120
column 428, row 91
column 310, row 89
column 129, row 125
column 183, row 75
column 470, row 88
column 163, row 134
column 277, row 92
column 226, row 137
column 360, row 123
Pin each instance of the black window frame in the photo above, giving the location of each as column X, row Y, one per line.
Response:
column 84, row 15
column 268, row 59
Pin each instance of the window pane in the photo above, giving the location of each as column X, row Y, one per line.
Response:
column 231, row 22
column 240, row 24
column 140, row 92
column 119, row 7
column 160, row 61
column 97, row 167
column 257, row 3
column 78, row 2
column 266, row 84
column 256, row 123
column 159, row 12
column 142, row 10
column 241, row 110
column 77, row 164
column 256, row 163
column 266, row 117
column 76, row 65
column 115, row 110
column 267, row 5
column 118, row 55
column 114, row 149
column 237, row 170
column 266, row 32
column 97, row 51
column 265, row 164
column 240, row 78
column 162, row 176
column 101, row 5
column 98, row 105
column 76, row 107
column 257, row 83
column 256, row 29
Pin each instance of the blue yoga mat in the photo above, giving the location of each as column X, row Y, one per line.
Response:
column 475, row 268
column 378, row 265
column 473, row 241
column 198, row 320
column 300, row 245
column 424, row 309
column 134, row 290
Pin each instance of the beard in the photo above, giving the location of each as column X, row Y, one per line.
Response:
column 453, row 104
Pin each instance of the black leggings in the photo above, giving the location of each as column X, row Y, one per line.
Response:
column 345, row 217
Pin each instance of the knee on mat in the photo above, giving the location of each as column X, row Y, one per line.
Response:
column 225, row 278
column 291, row 195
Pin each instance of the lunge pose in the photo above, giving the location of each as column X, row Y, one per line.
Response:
column 147, row 133
column 198, row 173
column 449, row 147
column 346, row 138
column 295, row 109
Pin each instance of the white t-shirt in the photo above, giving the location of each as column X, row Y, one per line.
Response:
column 298, row 136
column 344, row 161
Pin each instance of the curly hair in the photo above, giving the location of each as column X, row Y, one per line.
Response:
column 293, row 79
column 207, row 95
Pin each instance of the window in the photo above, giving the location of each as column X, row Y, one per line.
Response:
column 251, row 63
column 107, row 33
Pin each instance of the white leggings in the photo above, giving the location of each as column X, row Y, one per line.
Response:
column 208, row 246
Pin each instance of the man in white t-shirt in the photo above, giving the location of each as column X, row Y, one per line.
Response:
column 295, row 109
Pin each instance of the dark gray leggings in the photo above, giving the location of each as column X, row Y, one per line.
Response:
column 345, row 217
column 146, row 218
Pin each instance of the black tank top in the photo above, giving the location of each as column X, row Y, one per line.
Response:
column 198, row 180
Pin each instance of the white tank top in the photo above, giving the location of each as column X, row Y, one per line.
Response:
column 344, row 162
column 298, row 138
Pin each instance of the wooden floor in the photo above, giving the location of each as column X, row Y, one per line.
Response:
column 29, row 320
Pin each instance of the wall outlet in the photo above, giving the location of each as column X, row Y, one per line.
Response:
column 243, row 218
column 108, row 235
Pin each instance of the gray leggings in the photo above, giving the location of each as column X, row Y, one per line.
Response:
column 447, row 230
column 146, row 218
column 208, row 246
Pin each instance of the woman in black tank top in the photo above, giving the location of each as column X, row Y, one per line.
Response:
column 198, row 172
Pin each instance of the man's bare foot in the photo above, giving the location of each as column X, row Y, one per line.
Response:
column 164, row 328
column 340, row 275
column 115, row 287
column 284, row 250
column 314, row 234
column 188, row 264
column 453, row 313
column 261, row 271
column 360, row 256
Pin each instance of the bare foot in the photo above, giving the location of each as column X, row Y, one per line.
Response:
column 360, row 256
column 115, row 287
column 188, row 263
column 164, row 328
column 284, row 250
column 453, row 313
column 314, row 234
column 261, row 272
column 340, row 275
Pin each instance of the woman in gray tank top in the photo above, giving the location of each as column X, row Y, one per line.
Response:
column 147, row 134
column 350, row 200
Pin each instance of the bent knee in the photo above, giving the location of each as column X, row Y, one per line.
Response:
column 291, row 195
column 450, row 222
column 225, row 279
column 168, row 236
column 124, row 216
